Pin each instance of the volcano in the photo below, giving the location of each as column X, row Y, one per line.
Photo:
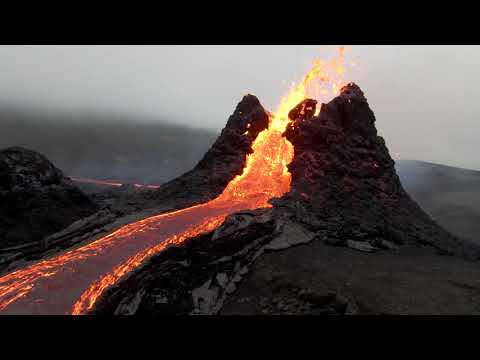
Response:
column 345, row 203
column 254, row 222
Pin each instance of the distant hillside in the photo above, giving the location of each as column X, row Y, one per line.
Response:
column 107, row 146
column 450, row 195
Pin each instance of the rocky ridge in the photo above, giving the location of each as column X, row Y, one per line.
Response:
column 36, row 199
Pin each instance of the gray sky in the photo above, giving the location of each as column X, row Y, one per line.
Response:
column 424, row 97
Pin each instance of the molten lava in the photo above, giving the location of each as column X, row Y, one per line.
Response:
column 111, row 183
column 79, row 276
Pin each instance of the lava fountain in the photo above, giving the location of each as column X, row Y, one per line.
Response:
column 71, row 282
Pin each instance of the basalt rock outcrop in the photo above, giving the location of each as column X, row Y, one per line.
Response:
column 36, row 199
column 346, row 203
column 344, row 181
column 222, row 162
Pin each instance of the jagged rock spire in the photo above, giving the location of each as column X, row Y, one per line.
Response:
column 223, row 161
column 343, row 175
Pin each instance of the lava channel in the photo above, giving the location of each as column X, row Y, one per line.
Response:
column 71, row 282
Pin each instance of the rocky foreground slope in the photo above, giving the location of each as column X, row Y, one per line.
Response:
column 346, row 239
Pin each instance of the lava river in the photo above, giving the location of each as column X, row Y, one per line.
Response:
column 72, row 281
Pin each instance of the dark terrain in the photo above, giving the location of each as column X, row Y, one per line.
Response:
column 153, row 153
column 450, row 195
column 388, row 257
column 36, row 198
column 347, row 239
column 106, row 146
column 320, row 279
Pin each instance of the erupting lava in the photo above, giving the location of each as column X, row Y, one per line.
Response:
column 72, row 282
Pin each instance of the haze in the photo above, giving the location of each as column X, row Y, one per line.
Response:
column 424, row 97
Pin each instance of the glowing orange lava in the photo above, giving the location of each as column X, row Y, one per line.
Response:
column 110, row 183
column 95, row 267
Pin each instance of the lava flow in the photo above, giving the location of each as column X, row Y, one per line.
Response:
column 72, row 282
column 110, row 183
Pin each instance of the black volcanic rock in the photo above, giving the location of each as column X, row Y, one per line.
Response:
column 345, row 192
column 196, row 278
column 344, row 177
column 36, row 199
column 223, row 161
column 304, row 110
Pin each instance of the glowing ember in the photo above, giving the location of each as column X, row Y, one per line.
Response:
column 81, row 275
column 110, row 183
